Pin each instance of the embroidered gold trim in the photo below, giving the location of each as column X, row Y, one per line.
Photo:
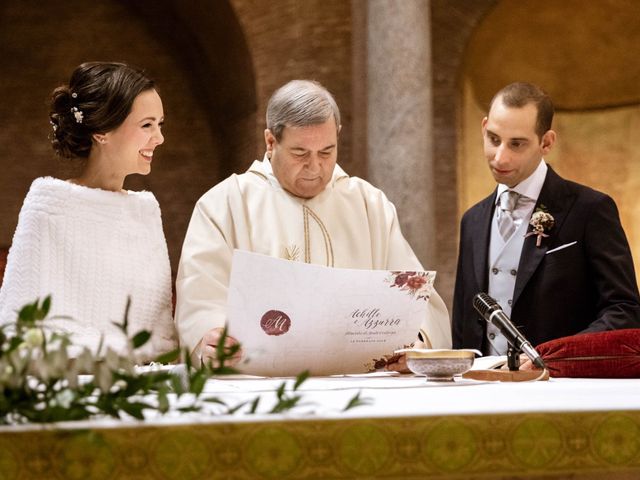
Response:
column 307, row 240
column 328, row 246
column 292, row 253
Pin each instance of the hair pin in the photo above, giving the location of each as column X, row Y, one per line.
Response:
column 77, row 114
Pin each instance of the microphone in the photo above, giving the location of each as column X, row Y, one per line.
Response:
column 493, row 313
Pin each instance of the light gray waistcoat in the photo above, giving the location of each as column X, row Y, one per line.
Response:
column 504, row 258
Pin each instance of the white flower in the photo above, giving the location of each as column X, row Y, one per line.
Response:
column 85, row 361
column 103, row 377
column 7, row 371
column 64, row 398
column 59, row 361
column 34, row 337
column 71, row 375
column 112, row 359
column 541, row 221
column 118, row 385
column 42, row 370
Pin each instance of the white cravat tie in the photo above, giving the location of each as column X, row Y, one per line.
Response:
column 508, row 201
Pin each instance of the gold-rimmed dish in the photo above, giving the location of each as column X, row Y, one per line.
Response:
column 439, row 365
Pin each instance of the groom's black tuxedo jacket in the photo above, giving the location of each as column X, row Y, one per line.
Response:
column 587, row 287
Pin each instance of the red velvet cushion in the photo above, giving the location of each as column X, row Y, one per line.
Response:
column 612, row 354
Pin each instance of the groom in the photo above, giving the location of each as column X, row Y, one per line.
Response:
column 551, row 252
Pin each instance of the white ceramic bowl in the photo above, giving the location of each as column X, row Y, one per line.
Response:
column 439, row 364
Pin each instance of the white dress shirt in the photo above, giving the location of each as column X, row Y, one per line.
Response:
column 529, row 190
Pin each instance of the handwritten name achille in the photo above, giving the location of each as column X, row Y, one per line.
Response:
column 371, row 320
column 365, row 313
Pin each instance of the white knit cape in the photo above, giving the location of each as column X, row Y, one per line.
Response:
column 91, row 249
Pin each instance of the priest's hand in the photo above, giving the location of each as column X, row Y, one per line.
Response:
column 397, row 363
column 209, row 345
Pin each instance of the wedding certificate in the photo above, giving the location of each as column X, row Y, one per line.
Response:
column 291, row 316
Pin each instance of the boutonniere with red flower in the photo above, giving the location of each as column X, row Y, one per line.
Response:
column 541, row 221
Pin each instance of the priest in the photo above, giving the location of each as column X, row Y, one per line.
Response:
column 296, row 204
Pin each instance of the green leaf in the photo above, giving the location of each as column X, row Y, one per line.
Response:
column 356, row 401
column 254, row 405
column 235, row 408
column 141, row 338
column 43, row 393
column 168, row 357
column 176, row 385
column 300, row 379
column 124, row 326
column 225, row 353
column 197, row 384
column 42, row 308
column 221, row 371
column 221, row 341
column 14, row 343
column 286, row 404
column 189, row 409
column 280, row 390
column 101, row 344
column 231, row 350
column 187, row 358
column 125, row 320
column 46, row 305
column 119, row 326
column 27, row 313
column 135, row 409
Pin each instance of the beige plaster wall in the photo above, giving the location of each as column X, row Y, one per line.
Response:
column 583, row 52
column 589, row 68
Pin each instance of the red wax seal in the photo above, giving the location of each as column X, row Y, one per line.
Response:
column 275, row 322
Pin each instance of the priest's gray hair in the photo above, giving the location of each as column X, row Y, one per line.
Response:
column 300, row 103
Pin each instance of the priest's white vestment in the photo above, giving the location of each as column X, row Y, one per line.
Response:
column 350, row 224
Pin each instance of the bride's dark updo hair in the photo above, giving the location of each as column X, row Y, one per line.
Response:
column 98, row 99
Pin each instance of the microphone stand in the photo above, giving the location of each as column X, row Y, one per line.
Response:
column 513, row 374
column 513, row 358
column 491, row 311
